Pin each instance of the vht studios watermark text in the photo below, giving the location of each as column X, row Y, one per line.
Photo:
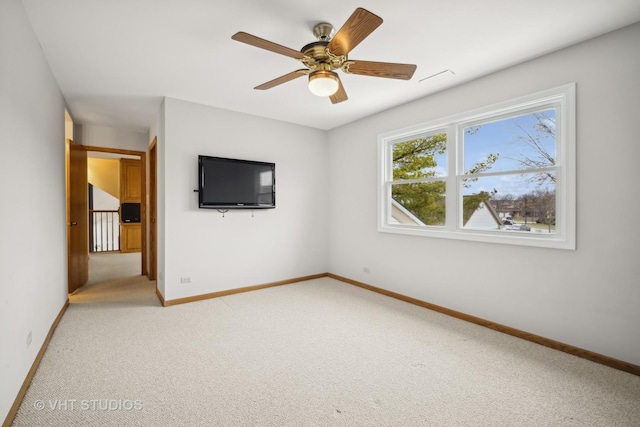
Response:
column 88, row 405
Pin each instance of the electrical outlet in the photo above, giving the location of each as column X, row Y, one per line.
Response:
column 185, row 280
column 29, row 339
column 366, row 270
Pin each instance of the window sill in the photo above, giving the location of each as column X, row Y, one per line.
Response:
column 507, row 237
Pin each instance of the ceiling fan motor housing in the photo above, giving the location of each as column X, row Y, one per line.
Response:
column 318, row 57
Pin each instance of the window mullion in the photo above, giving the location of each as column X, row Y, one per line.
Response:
column 451, row 217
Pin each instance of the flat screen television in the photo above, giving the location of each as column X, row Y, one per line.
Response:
column 236, row 184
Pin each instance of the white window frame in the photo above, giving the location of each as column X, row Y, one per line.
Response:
column 562, row 99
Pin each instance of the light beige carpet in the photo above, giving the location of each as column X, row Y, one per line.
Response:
column 315, row 353
column 105, row 266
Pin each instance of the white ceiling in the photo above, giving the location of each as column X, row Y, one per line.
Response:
column 115, row 60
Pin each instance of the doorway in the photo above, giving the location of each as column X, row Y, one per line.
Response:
column 130, row 231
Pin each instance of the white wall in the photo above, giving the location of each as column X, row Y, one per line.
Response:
column 588, row 298
column 220, row 253
column 104, row 201
column 33, row 272
column 110, row 137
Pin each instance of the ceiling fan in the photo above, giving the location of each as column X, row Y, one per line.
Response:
column 329, row 53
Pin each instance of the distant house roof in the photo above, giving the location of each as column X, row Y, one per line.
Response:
column 483, row 216
column 400, row 215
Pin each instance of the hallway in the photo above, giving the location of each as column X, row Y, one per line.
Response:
column 105, row 266
column 115, row 277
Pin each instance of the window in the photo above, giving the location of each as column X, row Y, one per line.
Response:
column 502, row 174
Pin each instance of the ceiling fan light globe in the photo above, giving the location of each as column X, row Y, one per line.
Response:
column 323, row 83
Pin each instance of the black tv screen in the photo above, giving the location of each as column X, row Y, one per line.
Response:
column 236, row 184
column 130, row 212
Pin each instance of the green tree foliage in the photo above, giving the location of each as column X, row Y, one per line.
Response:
column 425, row 200
column 416, row 159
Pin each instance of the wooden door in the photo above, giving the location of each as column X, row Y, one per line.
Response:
column 153, row 210
column 77, row 216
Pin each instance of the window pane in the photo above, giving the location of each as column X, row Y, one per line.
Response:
column 525, row 202
column 501, row 187
column 520, row 142
column 420, row 158
column 418, row 203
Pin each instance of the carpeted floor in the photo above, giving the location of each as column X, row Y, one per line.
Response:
column 315, row 353
column 106, row 266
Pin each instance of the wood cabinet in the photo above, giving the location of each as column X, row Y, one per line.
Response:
column 130, row 192
column 130, row 181
column 130, row 237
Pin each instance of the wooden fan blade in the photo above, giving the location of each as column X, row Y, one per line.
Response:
column 359, row 25
column 381, row 69
column 282, row 79
column 267, row 45
column 340, row 94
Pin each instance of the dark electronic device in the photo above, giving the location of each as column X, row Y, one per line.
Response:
column 235, row 184
column 130, row 212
